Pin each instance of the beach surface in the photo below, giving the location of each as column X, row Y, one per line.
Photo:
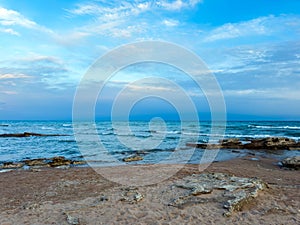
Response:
column 82, row 196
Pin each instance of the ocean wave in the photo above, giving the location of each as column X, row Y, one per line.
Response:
column 168, row 132
column 47, row 128
column 275, row 127
column 107, row 133
column 191, row 133
column 66, row 125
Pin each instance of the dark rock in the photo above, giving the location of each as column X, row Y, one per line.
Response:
column 133, row 158
column 4, row 125
column 204, row 146
column 27, row 134
column 104, row 198
column 292, row 162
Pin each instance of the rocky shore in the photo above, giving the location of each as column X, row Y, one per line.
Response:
column 58, row 161
column 240, row 191
column 270, row 143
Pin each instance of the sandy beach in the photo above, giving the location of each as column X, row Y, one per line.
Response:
column 81, row 196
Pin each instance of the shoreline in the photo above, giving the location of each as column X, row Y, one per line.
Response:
column 79, row 195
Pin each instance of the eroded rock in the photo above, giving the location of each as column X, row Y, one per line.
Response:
column 236, row 191
column 59, row 161
column 270, row 143
column 292, row 162
column 36, row 162
column 133, row 158
column 11, row 165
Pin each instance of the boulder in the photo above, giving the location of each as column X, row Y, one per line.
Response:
column 292, row 162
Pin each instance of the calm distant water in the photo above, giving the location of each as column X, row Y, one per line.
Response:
column 113, row 139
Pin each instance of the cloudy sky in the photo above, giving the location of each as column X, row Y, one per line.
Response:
column 251, row 46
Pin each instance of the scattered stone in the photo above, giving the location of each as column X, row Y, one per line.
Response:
column 11, row 165
column 292, row 162
column 269, row 143
column 131, row 195
column 72, row 220
column 133, row 158
column 28, row 206
column 237, row 191
column 103, row 198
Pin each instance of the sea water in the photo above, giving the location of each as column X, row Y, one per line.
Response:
column 156, row 143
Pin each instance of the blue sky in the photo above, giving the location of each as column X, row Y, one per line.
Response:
column 252, row 47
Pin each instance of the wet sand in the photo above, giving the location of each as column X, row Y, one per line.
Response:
column 81, row 196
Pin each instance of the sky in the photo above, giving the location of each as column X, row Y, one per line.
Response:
column 252, row 47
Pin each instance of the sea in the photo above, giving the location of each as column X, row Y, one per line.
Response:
column 106, row 143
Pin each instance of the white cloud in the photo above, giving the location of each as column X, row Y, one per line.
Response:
column 9, row 92
column 268, row 26
column 71, row 38
column 177, row 4
column 170, row 22
column 116, row 9
column 13, row 76
column 9, row 31
column 274, row 93
column 109, row 12
column 11, row 17
column 247, row 28
column 117, row 18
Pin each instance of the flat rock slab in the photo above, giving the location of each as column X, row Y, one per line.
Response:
column 236, row 191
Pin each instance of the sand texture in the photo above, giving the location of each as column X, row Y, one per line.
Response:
column 269, row 195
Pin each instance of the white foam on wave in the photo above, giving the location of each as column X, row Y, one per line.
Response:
column 275, row 127
column 47, row 128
